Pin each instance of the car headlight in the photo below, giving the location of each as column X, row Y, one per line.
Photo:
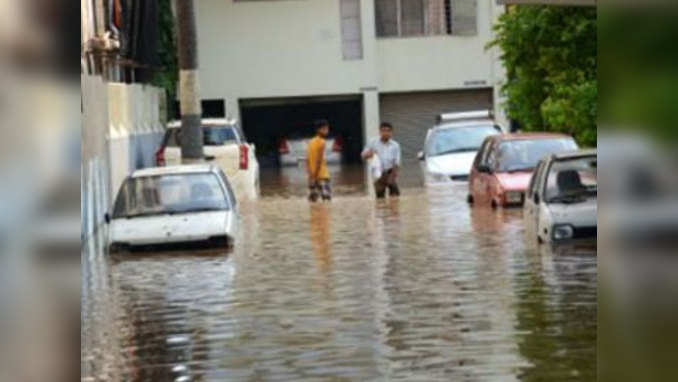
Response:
column 562, row 232
column 514, row 197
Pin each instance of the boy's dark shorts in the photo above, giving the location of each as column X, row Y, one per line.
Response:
column 320, row 188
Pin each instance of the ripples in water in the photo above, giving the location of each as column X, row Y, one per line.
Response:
column 419, row 289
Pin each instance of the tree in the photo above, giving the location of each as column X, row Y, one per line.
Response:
column 168, row 74
column 550, row 55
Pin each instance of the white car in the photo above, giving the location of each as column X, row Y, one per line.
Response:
column 293, row 150
column 170, row 205
column 451, row 146
column 562, row 198
column 224, row 145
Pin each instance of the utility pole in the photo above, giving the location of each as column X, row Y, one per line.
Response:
column 189, row 93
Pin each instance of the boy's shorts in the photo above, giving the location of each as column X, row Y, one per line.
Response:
column 320, row 188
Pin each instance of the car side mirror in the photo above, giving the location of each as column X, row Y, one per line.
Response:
column 209, row 158
column 536, row 198
column 420, row 155
column 107, row 218
column 484, row 169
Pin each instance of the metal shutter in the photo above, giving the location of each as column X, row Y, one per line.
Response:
column 412, row 114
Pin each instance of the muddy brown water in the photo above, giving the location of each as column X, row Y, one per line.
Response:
column 421, row 288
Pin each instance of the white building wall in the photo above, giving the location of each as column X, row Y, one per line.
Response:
column 272, row 49
column 122, row 126
column 253, row 49
column 437, row 62
column 279, row 49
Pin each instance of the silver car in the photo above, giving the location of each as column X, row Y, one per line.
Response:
column 293, row 149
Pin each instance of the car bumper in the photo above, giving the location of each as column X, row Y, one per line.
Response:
column 579, row 234
column 176, row 244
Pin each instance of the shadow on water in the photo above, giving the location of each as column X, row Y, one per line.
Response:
column 416, row 288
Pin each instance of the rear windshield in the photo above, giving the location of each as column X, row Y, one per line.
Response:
column 524, row 154
column 572, row 178
column 170, row 194
column 212, row 136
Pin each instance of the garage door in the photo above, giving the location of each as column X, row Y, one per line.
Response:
column 412, row 114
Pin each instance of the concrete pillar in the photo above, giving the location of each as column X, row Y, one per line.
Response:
column 498, row 73
column 189, row 91
column 370, row 114
column 370, row 127
column 232, row 108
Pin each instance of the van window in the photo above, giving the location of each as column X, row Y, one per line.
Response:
column 212, row 136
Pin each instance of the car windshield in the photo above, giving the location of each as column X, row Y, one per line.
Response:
column 523, row 154
column 458, row 139
column 572, row 180
column 170, row 194
column 218, row 135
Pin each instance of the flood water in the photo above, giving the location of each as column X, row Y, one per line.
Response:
column 421, row 288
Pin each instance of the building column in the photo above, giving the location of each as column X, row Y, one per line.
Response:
column 370, row 127
column 498, row 74
column 370, row 114
column 232, row 108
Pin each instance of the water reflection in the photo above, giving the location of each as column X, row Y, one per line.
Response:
column 557, row 311
column 421, row 287
column 320, row 236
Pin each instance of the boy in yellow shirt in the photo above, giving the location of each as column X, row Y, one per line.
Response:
column 318, row 175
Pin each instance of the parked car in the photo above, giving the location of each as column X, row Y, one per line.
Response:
column 175, row 204
column 561, row 201
column 224, row 145
column 504, row 164
column 292, row 149
column 452, row 144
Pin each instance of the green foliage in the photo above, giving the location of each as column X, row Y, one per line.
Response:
column 167, row 76
column 550, row 55
column 638, row 75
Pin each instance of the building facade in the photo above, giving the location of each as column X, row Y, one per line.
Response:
column 277, row 64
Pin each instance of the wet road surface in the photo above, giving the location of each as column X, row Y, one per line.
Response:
column 416, row 289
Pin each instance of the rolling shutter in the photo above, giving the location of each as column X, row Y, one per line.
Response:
column 412, row 114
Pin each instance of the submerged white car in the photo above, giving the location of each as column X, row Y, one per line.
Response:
column 562, row 198
column 451, row 146
column 171, row 205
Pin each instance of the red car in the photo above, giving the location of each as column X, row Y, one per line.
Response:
column 503, row 166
